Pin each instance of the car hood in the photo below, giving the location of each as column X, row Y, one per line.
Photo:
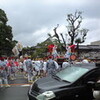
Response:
column 48, row 83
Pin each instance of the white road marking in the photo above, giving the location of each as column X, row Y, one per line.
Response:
column 26, row 85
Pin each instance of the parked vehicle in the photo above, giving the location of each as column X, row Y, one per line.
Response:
column 76, row 82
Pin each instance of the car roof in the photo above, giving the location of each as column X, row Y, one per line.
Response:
column 89, row 66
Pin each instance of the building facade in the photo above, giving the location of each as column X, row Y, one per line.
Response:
column 91, row 52
column 95, row 43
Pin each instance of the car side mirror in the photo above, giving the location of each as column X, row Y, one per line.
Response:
column 90, row 84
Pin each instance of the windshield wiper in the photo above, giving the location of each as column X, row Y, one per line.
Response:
column 66, row 81
column 58, row 78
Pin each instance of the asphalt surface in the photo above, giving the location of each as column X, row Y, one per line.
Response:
column 17, row 91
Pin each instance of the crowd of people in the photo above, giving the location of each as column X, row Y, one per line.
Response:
column 30, row 69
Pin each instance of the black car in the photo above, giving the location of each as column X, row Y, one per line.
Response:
column 75, row 82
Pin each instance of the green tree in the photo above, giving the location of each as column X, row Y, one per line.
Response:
column 38, row 51
column 41, row 49
column 5, row 35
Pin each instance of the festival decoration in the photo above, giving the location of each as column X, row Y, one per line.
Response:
column 70, row 49
column 52, row 49
column 19, row 46
column 54, row 52
column 17, row 50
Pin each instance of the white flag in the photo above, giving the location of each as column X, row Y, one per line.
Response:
column 19, row 46
column 15, row 51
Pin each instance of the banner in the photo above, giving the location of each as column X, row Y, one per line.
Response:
column 19, row 46
column 15, row 51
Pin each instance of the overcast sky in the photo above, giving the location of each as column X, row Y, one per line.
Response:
column 31, row 20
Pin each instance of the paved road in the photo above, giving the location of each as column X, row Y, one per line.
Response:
column 17, row 91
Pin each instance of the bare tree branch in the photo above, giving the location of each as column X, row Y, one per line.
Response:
column 78, row 25
column 55, row 31
column 63, row 39
column 75, row 20
column 70, row 34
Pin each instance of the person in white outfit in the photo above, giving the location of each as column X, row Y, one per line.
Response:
column 3, row 74
column 51, row 66
column 65, row 64
column 29, row 67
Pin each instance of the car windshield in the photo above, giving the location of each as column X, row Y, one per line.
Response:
column 72, row 73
